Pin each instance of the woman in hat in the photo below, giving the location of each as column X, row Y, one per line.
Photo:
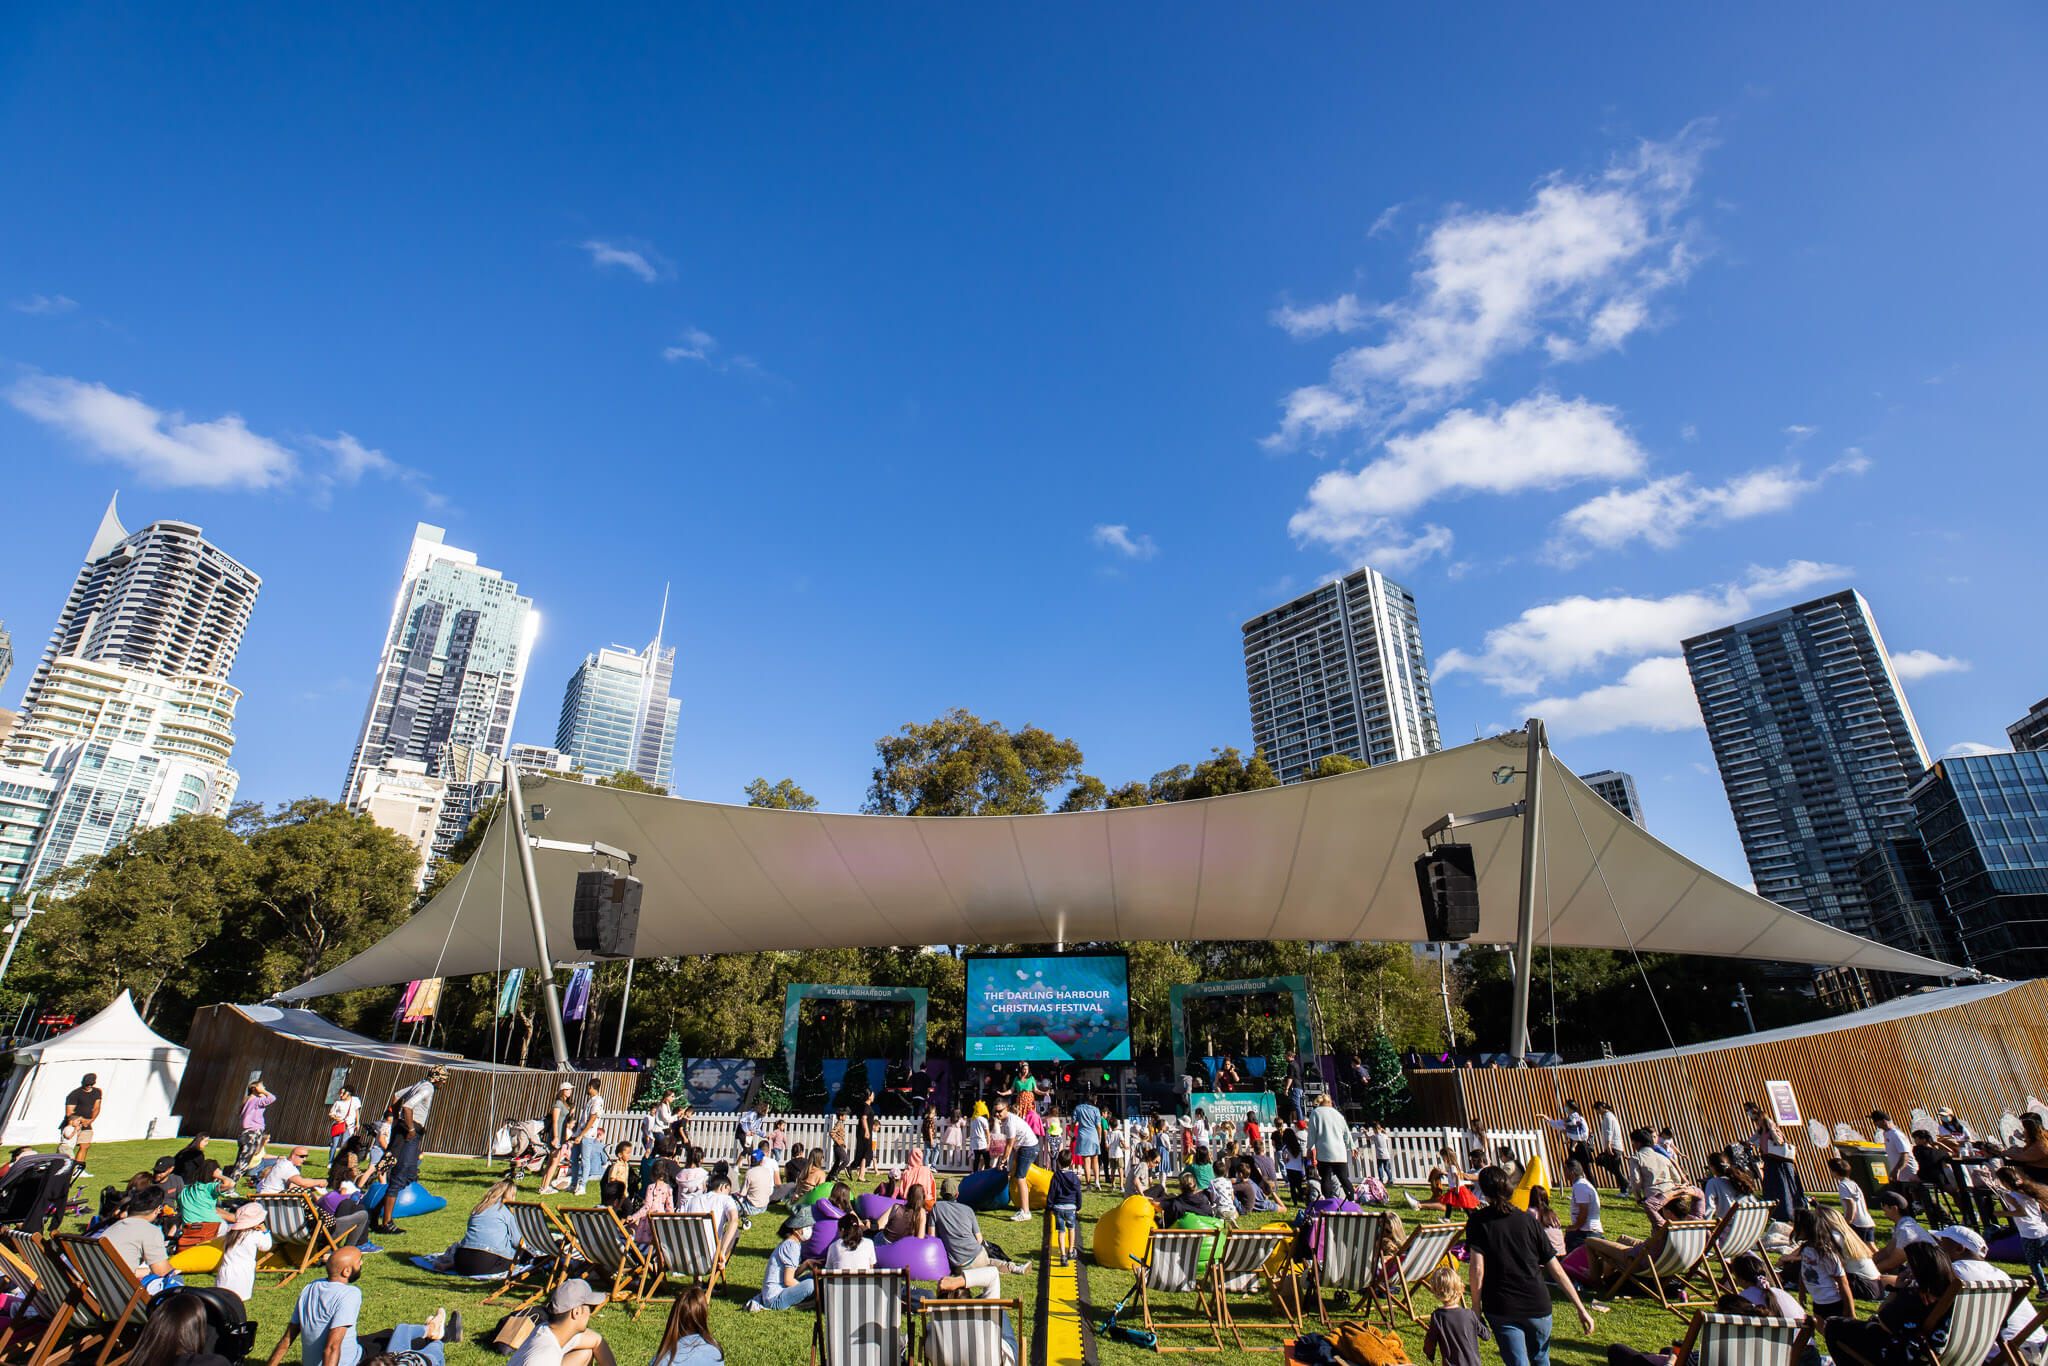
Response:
column 246, row 1241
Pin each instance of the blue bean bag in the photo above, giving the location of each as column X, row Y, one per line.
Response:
column 875, row 1208
column 414, row 1199
column 986, row 1190
column 923, row 1258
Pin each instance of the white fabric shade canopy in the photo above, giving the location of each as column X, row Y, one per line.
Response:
column 1326, row 860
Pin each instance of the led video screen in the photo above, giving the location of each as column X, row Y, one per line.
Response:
column 1056, row 1007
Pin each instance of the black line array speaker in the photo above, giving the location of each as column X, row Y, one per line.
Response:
column 1450, row 893
column 607, row 913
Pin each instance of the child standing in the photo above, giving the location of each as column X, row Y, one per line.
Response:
column 1063, row 1198
column 2025, row 1200
column 1855, row 1208
column 1453, row 1330
column 1113, row 1155
column 977, row 1140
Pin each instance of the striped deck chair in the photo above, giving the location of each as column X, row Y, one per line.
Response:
column 687, row 1245
column 1974, row 1314
column 294, row 1222
column 1741, row 1340
column 1350, row 1256
column 1741, row 1230
column 970, row 1332
column 603, row 1242
column 56, row 1294
column 1424, row 1252
column 860, row 1318
column 542, row 1247
column 1172, row 1265
column 2009, row 1348
column 1684, row 1247
column 112, row 1293
column 1241, row 1255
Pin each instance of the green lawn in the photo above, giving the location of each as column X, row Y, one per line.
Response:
column 396, row 1291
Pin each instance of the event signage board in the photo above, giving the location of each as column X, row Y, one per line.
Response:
column 1784, row 1105
column 1233, row 1107
column 1055, row 1007
column 799, row 992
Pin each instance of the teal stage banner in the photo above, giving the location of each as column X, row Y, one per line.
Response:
column 1231, row 1107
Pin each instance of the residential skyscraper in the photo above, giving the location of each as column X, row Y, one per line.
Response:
column 1340, row 670
column 161, row 601
column 448, row 678
column 1816, row 745
column 1984, row 821
column 617, row 713
column 1618, row 790
column 2031, row 730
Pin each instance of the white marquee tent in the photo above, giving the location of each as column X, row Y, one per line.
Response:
column 138, row 1069
column 1326, row 860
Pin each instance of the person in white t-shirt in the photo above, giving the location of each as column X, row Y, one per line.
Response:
column 246, row 1241
column 1855, row 1207
column 1585, row 1207
column 1966, row 1250
column 282, row 1174
column 716, row 1200
column 977, row 1142
column 852, row 1250
column 1906, row 1231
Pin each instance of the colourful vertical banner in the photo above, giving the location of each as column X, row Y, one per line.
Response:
column 421, row 1002
column 404, row 1011
column 508, row 994
column 577, row 1003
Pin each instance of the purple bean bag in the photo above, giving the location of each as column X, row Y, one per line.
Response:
column 820, row 1237
column 875, row 1208
column 985, row 1190
column 2008, row 1249
column 923, row 1258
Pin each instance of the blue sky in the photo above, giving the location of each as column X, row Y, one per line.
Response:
column 1011, row 360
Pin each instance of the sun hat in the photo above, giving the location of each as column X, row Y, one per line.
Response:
column 248, row 1216
column 573, row 1293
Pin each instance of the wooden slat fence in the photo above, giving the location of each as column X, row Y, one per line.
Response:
column 1984, row 1057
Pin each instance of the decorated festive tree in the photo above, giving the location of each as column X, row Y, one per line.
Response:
column 1386, row 1096
column 665, row 1075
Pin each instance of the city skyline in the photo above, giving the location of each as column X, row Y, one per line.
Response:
column 618, row 714
column 927, row 390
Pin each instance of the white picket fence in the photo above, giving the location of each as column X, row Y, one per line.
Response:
column 716, row 1136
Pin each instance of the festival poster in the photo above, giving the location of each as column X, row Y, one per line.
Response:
column 1054, row 1008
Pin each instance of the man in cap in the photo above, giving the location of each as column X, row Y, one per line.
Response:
column 409, row 1112
column 1968, row 1256
column 566, row 1338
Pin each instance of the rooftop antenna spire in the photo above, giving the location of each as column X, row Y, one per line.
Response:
column 662, row 625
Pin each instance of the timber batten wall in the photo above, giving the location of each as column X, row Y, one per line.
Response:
column 226, row 1046
column 1982, row 1056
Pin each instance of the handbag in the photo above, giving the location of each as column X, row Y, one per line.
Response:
column 1362, row 1344
column 1780, row 1150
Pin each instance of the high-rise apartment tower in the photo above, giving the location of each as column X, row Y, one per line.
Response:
column 1618, row 790
column 1340, row 670
column 617, row 713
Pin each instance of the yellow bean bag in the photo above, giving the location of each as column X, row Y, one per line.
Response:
column 200, row 1257
column 1040, row 1182
column 1123, row 1233
column 1532, row 1177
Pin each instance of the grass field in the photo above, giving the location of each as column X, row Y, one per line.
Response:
column 397, row 1292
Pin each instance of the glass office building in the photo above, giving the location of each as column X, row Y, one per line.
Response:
column 1816, row 746
column 1340, row 670
column 1984, row 820
column 617, row 714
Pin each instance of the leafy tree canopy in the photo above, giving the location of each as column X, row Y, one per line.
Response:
column 961, row 765
column 783, row 796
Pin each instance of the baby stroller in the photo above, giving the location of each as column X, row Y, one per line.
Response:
column 229, row 1331
column 35, row 1191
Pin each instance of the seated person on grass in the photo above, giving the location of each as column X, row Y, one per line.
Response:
column 788, row 1282
column 955, row 1225
column 329, row 1310
column 567, row 1338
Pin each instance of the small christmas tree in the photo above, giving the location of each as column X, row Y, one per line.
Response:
column 1386, row 1096
column 665, row 1075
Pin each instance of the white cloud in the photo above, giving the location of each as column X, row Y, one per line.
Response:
column 1655, row 694
column 1575, row 272
column 696, row 344
column 163, row 448
column 1576, row 634
column 1689, row 432
column 1663, row 510
column 353, row 460
column 1385, row 222
column 1540, row 442
column 44, row 304
column 1119, row 539
column 1914, row 665
column 1341, row 314
column 639, row 260
column 1970, row 749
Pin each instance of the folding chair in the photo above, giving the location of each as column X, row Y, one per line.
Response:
column 1349, row 1259
column 1741, row 1340
column 107, row 1281
column 687, row 1245
column 2009, row 1348
column 1678, row 1257
column 55, row 1293
column 1241, row 1256
column 1741, row 1230
column 860, row 1318
column 603, row 1242
column 1424, row 1251
column 1977, row 1313
column 1171, row 1265
column 293, row 1220
column 541, row 1244
column 970, row 1332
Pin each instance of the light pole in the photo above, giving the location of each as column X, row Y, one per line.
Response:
column 1742, row 1003
column 23, row 913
